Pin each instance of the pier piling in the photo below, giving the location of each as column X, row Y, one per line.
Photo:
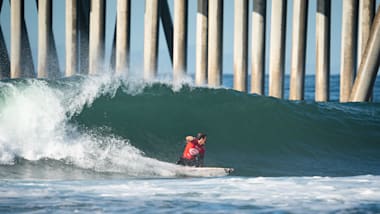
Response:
column 369, row 66
column 180, row 39
column 17, row 15
column 201, row 43
column 297, row 76
column 322, row 52
column 150, row 38
column 348, row 48
column 123, row 36
column 71, row 38
column 258, row 46
column 97, row 36
column 44, row 42
column 241, row 45
column 215, row 43
column 365, row 18
column 277, row 48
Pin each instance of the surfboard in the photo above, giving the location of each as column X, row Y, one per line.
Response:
column 188, row 171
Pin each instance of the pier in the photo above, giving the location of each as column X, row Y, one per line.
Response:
column 255, row 23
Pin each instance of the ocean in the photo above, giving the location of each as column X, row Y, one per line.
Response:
column 103, row 144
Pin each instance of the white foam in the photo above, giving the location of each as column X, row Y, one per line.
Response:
column 31, row 114
column 34, row 125
column 232, row 194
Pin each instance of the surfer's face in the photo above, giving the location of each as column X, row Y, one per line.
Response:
column 202, row 141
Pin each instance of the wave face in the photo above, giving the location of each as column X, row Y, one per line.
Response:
column 93, row 126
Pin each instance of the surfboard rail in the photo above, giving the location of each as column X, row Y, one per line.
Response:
column 188, row 171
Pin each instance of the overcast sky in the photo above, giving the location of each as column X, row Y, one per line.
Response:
column 137, row 33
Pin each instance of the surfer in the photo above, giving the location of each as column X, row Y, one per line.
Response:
column 194, row 151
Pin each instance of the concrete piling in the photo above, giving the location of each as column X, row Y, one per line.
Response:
column 365, row 18
column 297, row 75
column 17, row 15
column 201, row 43
column 123, row 36
column 215, row 43
column 150, row 38
column 180, row 39
column 258, row 46
column 21, row 56
column 97, row 36
column 71, row 38
column 277, row 48
column 44, row 29
column 241, row 45
column 364, row 82
column 322, row 52
column 348, row 48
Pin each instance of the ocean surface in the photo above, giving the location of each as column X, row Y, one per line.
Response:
column 102, row 144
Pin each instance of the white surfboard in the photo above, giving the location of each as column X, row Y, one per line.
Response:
column 188, row 171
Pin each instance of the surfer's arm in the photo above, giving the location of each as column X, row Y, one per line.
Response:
column 189, row 138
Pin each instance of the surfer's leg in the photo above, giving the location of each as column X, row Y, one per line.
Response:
column 186, row 162
column 189, row 162
column 181, row 161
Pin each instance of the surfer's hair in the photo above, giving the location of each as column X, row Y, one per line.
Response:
column 201, row 135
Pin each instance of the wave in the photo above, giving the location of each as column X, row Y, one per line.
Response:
column 107, row 124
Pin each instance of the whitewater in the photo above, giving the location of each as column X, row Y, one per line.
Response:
column 34, row 126
column 106, row 144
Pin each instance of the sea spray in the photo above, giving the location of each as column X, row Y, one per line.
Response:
column 31, row 117
column 35, row 124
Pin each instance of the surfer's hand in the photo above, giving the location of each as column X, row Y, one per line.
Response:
column 189, row 138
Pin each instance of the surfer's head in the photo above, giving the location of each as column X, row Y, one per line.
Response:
column 202, row 137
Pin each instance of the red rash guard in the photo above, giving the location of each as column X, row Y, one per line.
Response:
column 193, row 149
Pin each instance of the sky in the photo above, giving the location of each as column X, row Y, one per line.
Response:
column 164, row 64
